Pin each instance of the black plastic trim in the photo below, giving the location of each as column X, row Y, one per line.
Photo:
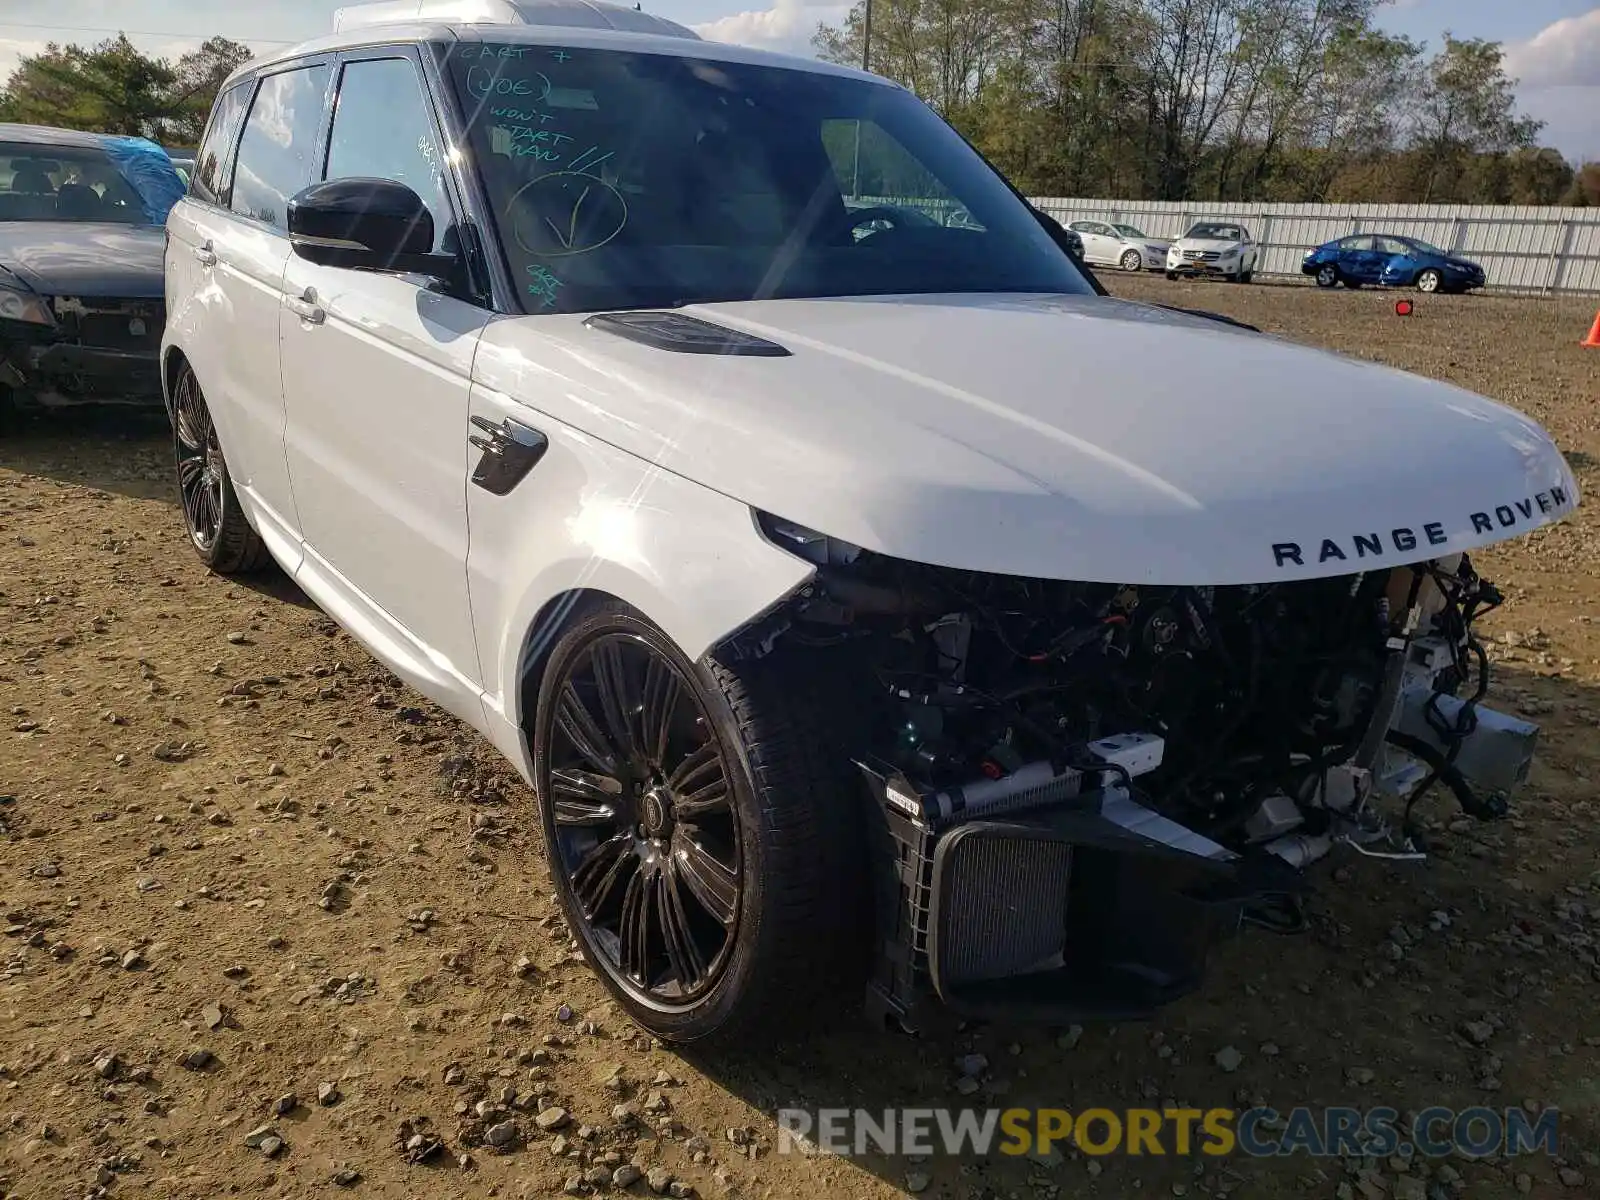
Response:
column 510, row 450
column 1210, row 316
column 683, row 334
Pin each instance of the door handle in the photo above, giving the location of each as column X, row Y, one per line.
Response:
column 205, row 255
column 305, row 306
column 510, row 450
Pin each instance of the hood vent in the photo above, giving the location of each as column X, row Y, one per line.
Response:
column 684, row 334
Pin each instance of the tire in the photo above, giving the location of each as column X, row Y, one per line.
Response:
column 1429, row 281
column 8, row 412
column 1353, row 284
column 1247, row 277
column 1327, row 276
column 218, row 529
column 1172, row 275
column 736, row 820
column 1132, row 261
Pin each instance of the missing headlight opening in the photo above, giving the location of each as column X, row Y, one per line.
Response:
column 1153, row 760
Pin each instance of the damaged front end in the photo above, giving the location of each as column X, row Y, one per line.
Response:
column 1076, row 788
column 70, row 351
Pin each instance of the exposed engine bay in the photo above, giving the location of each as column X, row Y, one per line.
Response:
column 1229, row 724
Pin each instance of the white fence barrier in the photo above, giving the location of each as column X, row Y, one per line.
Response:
column 1549, row 250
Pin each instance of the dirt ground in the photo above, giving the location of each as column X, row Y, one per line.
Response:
column 280, row 890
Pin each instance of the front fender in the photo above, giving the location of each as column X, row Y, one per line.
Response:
column 591, row 518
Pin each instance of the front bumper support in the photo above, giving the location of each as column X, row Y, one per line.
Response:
column 1093, row 908
column 1495, row 756
column 97, row 352
column 62, row 374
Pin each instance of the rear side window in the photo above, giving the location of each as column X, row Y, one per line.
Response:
column 213, row 168
column 278, row 152
column 382, row 130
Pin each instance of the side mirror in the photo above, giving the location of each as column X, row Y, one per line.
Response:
column 367, row 225
column 1057, row 231
column 1063, row 239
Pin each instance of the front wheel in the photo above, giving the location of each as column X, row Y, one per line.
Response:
column 1173, row 275
column 1429, row 281
column 218, row 529
column 703, row 835
column 1327, row 276
column 1247, row 277
column 1132, row 261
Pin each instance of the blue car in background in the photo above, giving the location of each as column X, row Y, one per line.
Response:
column 1378, row 258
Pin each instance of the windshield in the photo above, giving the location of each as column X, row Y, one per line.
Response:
column 1216, row 231
column 624, row 180
column 1129, row 231
column 122, row 184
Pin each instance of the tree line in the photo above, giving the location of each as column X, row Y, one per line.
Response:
column 1260, row 100
column 113, row 87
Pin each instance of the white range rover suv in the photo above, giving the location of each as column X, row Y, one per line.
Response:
column 853, row 614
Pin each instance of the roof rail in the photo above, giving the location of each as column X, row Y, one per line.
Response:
column 572, row 14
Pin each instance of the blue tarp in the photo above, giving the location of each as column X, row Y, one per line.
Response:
column 149, row 172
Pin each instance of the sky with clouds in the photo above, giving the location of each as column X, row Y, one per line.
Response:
column 1553, row 46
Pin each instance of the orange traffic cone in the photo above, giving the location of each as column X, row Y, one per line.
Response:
column 1593, row 340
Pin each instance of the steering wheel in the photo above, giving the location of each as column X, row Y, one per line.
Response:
column 893, row 217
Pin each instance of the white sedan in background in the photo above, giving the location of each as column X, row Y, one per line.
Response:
column 1222, row 248
column 1120, row 246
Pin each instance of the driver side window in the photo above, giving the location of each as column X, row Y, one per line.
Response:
column 382, row 130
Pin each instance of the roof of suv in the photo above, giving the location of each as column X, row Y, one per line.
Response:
column 592, row 24
column 574, row 14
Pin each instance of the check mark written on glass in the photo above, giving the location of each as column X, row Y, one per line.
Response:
column 569, row 237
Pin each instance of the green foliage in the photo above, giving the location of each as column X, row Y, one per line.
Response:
column 114, row 88
column 1273, row 100
column 1585, row 190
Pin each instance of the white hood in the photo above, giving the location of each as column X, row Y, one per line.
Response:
column 1220, row 245
column 1007, row 434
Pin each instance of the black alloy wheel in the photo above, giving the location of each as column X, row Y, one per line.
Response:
column 703, row 823
column 219, row 531
column 200, row 465
column 645, row 831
